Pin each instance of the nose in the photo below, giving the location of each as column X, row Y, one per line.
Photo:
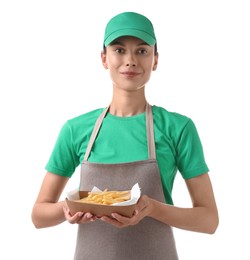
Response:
column 131, row 61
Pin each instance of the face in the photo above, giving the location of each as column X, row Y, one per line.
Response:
column 130, row 62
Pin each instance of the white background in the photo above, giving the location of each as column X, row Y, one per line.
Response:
column 50, row 71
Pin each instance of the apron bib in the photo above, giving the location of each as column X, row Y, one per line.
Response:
column 149, row 239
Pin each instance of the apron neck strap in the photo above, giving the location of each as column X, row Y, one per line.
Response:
column 150, row 132
column 149, row 128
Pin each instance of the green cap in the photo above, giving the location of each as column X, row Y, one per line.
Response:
column 129, row 24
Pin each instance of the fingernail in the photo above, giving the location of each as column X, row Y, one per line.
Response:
column 89, row 215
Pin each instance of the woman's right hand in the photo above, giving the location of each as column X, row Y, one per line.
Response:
column 79, row 217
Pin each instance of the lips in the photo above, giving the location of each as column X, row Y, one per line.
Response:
column 130, row 73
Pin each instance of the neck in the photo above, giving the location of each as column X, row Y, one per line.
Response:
column 128, row 104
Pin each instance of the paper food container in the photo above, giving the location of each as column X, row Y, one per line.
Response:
column 125, row 208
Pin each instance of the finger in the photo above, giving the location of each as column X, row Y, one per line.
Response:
column 88, row 217
column 66, row 213
column 112, row 221
column 125, row 221
column 135, row 219
column 121, row 218
column 140, row 206
column 75, row 218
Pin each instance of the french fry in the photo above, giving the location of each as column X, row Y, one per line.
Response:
column 106, row 197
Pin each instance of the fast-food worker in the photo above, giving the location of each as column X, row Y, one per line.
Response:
column 125, row 143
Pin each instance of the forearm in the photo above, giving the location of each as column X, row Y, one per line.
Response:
column 48, row 214
column 198, row 219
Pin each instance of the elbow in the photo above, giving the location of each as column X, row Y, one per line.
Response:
column 211, row 230
column 35, row 222
column 35, row 219
column 213, row 225
column 207, row 223
column 36, row 225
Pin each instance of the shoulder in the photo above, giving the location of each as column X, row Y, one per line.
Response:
column 173, row 124
column 81, row 123
column 169, row 118
column 87, row 118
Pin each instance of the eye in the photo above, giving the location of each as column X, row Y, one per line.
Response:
column 119, row 50
column 142, row 51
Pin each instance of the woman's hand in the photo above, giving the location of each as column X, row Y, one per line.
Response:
column 79, row 217
column 142, row 210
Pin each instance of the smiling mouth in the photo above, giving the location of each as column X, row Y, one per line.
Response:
column 130, row 74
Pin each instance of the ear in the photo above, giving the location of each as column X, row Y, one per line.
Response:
column 104, row 60
column 155, row 62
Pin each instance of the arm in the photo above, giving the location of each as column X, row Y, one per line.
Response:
column 47, row 210
column 202, row 217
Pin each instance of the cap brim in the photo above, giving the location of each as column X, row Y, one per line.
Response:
column 130, row 32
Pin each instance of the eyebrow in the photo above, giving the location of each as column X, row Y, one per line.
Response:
column 115, row 42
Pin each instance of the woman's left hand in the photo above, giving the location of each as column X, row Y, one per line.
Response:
column 142, row 210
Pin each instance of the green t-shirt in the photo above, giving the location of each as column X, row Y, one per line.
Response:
column 123, row 139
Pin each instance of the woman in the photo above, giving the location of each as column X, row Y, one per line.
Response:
column 130, row 141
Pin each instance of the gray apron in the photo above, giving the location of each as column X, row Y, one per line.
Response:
column 148, row 240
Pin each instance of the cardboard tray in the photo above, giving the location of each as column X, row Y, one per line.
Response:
column 96, row 209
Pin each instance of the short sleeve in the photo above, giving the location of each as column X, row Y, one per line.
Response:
column 63, row 160
column 190, row 156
